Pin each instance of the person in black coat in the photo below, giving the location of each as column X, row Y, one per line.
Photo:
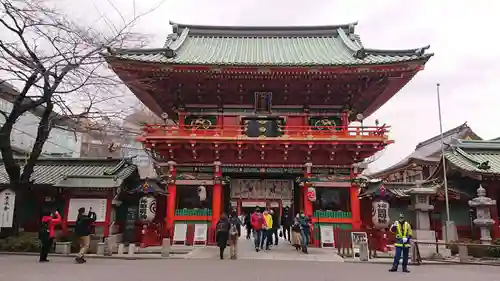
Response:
column 222, row 234
column 286, row 223
column 248, row 225
column 276, row 226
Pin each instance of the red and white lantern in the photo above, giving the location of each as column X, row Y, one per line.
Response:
column 311, row 194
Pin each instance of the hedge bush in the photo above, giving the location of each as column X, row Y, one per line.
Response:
column 478, row 251
column 25, row 242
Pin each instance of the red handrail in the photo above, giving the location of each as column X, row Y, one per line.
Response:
column 289, row 131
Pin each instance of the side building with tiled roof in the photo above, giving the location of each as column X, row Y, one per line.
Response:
column 110, row 186
column 422, row 162
column 471, row 164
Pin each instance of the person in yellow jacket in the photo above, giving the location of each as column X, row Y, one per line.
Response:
column 403, row 232
column 268, row 231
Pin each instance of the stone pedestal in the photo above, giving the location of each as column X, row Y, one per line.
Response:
column 165, row 247
column 483, row 220
column 420, row 204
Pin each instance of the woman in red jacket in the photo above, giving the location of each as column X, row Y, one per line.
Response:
column 47, row 232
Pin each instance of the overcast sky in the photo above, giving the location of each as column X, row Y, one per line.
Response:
column 463, row 34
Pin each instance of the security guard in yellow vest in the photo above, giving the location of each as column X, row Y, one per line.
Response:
column 403, row 232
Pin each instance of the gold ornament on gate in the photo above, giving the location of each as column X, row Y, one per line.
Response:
column 201, row 123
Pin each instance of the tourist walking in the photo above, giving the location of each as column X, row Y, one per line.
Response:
column 46, row 233
column 305, row 231
column 276, row 225
column 248, row 225
column 268, row 231
column 234, row 235
column 404, row 233
column 222, row 234
column 296, row 238
column 84, row 226
column 258, row 224
column 286, row 223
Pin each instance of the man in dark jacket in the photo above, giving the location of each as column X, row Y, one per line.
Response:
column 276, row 226
column 286, row 222
column 83, row 229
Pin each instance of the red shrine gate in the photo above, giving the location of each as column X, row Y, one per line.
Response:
column 254, row 104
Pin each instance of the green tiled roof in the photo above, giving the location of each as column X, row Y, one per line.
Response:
column 400, row 190
column 59, row 171
column 475, row 156
column 268, row 46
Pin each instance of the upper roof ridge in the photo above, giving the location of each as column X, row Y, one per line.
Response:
column 249, row 30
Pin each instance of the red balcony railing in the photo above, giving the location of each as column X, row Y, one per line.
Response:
column 239, row 131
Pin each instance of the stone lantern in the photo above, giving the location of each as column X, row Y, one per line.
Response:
column 483, row 220
column 420, row 199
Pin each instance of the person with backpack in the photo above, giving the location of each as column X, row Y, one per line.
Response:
column 47, row 232
column 296, row 238
column 222, row 234
column 234, row 234
column 258, row 224
column 83, row 228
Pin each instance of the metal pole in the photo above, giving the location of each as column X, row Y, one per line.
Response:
column 447, row 202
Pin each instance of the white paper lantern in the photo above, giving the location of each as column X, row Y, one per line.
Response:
column 147, row 208
column 380, row 213
column 202, row 193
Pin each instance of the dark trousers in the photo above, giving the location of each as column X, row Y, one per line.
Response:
column 401, row 251
column 276, row 236
column 267, row 236
column 222, row 239
column 258, row 237
column 249, row 231
column 286, row 233
column 45, row 246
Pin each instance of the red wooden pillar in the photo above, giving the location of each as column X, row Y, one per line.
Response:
column 64, row 224
column 355, row 207
column 308, row 207
column 172, row 195
column 109, row 208
column 355, row 203
column 217, row 193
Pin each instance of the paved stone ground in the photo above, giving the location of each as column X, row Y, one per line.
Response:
column 284, row 251
column 26, row 268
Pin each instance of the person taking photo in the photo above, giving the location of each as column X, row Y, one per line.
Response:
column 83, row 228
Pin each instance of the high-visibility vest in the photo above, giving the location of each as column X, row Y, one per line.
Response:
column 405, row 232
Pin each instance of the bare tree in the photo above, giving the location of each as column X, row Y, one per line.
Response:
column 57, row 65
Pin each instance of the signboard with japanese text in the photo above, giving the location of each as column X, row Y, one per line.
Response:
column 200, row 235
column 99, row 207
column 327, row 237
column 180, row 233
column 357, row 238
column 7, row 201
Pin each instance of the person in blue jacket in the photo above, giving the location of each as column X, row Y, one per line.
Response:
column 403, row 232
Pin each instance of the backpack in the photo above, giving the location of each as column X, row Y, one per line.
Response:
column 43, row 233
column 233, row 231
column 221, row 226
